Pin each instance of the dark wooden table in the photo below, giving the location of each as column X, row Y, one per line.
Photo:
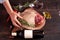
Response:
column 52, row 27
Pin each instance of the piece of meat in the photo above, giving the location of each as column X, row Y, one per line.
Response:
column 38, row 19
column 33, row 18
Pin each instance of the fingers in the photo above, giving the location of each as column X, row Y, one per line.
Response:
column 18, row 22
column 15, row 24
column 19, row 15
column 14, row 19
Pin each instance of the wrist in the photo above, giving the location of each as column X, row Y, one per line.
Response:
column 11, row 13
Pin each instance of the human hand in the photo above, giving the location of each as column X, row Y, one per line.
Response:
column 14, row 19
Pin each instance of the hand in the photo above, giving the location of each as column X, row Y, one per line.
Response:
column 14, row 20
column 13, row 15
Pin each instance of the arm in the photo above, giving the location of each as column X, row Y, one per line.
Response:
column 13, row 15
column 8, row 6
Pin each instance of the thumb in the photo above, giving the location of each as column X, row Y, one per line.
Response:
column 19, row 15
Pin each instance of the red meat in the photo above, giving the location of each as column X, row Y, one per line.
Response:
column 38, row 19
